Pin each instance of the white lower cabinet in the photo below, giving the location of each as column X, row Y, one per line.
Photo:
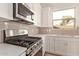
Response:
column 47, row 44
column 77, row 46
column 57, row 45
column 51, row 44
column 43, row 45
column 61, row 46
column 74, row 47
column 67, row 46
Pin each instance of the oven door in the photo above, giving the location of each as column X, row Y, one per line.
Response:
column 39, row 53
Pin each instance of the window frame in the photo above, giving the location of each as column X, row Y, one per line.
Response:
column 74, row 26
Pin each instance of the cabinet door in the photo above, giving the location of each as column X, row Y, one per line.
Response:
column 46, row 15
column 3, row 9
column 6, row 11
column 74, row 47
column 36, row 9
column 61, row 46
column 52, row 44
column 37, row 14
column 47, row 44
column 44, row 45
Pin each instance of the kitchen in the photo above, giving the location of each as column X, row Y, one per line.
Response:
column 23, row 22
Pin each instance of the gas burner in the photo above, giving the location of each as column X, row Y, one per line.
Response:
column 24, row 43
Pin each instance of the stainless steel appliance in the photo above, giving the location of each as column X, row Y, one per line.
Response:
column 22, row 13
column 32, row 44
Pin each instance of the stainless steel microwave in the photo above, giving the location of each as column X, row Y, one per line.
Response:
column 21, row 12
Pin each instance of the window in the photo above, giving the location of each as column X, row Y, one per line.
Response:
column 63, row 18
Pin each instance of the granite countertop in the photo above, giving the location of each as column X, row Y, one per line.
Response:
column 11, row 50
column 58, row 35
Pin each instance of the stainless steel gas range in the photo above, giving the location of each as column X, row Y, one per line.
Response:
column 32, row 44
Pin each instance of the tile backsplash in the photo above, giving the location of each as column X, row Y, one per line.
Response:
column 50, row 30
column 30, row 28
column 14, row 25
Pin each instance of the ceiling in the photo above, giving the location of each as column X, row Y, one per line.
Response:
column 60, row 6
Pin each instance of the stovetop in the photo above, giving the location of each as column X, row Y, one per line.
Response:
column 24, row 42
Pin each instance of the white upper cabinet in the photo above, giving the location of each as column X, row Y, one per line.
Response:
column 46, row 15
column 37, row 16
column 6, row 11
column 36, row 9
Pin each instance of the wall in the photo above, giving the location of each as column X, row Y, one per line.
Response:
column 50, row 30
column 13, row 25
column 77, row 16
column 46, row 20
